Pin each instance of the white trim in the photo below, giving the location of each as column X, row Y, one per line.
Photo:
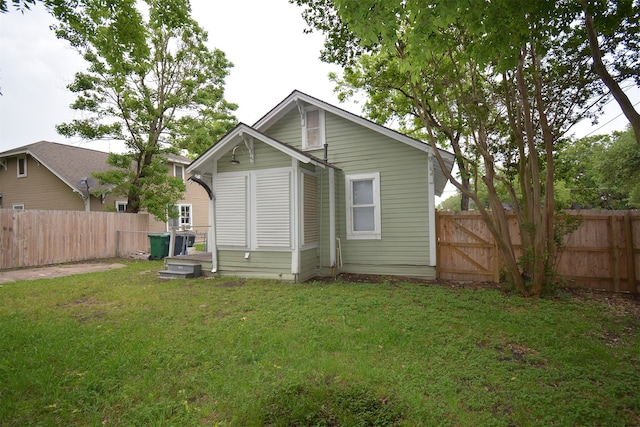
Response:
column 295, row 216
column 296, row 96
column 348, row 189
column 332, row 218
column 233, row 138
column 18, row 159
column 18, row 206
column 119, row 203
column 432, row 210
column 211, row 238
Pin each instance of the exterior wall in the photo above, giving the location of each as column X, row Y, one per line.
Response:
column 404, row 246
column 266, row 157
column 40, row 189
column 263, row 264
column 308, row 264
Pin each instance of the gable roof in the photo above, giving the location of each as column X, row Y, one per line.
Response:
column 71, row 164
column 235, row 136
column 296, row 97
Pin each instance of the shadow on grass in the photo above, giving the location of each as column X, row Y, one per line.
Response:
column 329, row 401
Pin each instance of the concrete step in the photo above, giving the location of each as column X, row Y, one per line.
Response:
column 184, row 267
column 173, row 274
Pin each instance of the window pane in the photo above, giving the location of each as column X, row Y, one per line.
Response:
column 313, row 119
column 179, row 172
column 363, row 219
column 363, row 192
column 313, row 138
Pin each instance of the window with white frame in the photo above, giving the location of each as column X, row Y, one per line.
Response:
column 313, row 129
column 18, row 206
column 121, row 206
column 183, row 220
column 363, row 206
column 178, row 171
column 22, row 166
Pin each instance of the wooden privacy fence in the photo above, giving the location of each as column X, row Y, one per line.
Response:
column 39, row 237
column 602, row 253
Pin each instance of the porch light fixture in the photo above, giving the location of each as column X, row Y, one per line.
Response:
column 234, row 160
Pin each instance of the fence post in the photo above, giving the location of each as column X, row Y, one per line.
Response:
column 118, row 244
column 628, row 239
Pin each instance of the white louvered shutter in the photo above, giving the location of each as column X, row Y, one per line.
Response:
column 273, row 209
column 231, row 210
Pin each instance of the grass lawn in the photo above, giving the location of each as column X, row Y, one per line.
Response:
column 124, row 348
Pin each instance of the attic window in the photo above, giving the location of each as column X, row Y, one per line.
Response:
column 178, row 171
column 22, row 166
column 313, row 129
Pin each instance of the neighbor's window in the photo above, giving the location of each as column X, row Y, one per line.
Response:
column 18, row 206
column 363, row 206
column 22, row 166
column 313, row 130
column 183, row 221
column 178, row 171
column 121, row 206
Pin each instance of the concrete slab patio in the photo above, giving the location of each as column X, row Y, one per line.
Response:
column 49, row 272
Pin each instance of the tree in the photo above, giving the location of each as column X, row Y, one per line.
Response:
column 19, row 5
column 514, row 90
column 618, row 170
column 617, row 24
column 150, row 81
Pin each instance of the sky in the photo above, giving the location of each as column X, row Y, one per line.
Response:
column 263, row 38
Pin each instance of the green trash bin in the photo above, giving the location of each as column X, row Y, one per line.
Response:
column 159, row 244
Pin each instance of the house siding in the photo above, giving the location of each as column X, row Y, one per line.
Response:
column 266, row 157
column 308, row 264
column 40, row 189
column 404, row 246
column 266, row 264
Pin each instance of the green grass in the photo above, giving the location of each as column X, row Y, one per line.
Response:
column 124, row 348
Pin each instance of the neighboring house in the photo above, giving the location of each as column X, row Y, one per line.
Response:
column 313, row 190
column 51, row 176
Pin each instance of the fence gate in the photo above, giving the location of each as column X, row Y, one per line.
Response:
column 466, row 249
column 603, row 253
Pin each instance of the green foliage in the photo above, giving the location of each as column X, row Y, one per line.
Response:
column 151, row 82
column 19, row 5
column 601, row 171
column 618, row 170
column 125, row 348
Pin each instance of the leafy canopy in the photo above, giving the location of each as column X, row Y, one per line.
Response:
column 151, row 82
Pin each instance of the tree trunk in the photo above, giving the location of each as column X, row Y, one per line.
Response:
column 599, row 67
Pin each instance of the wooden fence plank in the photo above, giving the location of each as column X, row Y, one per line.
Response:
column 38, row 237
column 602, row 253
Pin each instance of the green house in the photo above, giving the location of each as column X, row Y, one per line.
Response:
column 313, row 190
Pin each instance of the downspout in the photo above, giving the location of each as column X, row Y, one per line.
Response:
column 332, row 222
column 431, row 194
column 211, row 235
column 295, row 217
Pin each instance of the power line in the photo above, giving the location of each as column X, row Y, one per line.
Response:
column 603, row 125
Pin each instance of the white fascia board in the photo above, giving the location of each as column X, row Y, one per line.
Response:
column 288, row 103
column 235, row 137
column 70, row 185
